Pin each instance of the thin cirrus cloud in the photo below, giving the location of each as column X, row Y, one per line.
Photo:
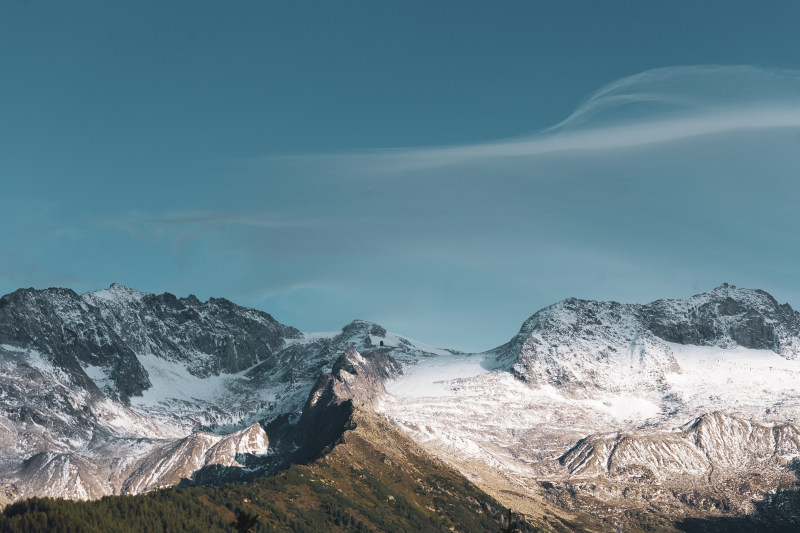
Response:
column 649, row 109
column 655, row 106
column 185, row 226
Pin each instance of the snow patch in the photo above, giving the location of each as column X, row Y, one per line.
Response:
column 394, row 340
column 436, row 376
column 734, row 377
column 172, row 380
column 98, row 375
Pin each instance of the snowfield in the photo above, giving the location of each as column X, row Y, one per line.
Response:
column 464, row 412
column 437, row 376
column 757, row 383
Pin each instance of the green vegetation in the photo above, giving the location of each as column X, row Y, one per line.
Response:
column 377, row 480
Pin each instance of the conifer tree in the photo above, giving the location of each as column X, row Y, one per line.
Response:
column 245, row 521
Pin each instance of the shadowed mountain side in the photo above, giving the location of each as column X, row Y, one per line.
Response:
column 355, row 381
column 778, row 511
column 376, row 480
column 108, row 329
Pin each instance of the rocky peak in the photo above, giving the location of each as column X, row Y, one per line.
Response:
column 110, row 328
column 362, row 329
column 584, row 344
column 355, row 377
column 714, row 442
column 356, row 381
column 726, row 316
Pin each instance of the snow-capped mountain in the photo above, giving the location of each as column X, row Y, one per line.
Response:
column 661, row 400
column 688, row 403
column 119, row 391
column 578, row 344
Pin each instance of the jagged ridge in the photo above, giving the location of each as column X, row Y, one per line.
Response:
column 581, row 344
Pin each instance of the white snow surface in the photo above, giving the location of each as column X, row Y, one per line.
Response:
column 394, row 340
column 437, row 376
column 750, row 382
column 464, row 412
column 390, row 340
column 172, row 381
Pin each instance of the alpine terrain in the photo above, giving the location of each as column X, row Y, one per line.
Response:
column 597, row 416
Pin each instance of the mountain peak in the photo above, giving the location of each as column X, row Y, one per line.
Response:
column 114, row 293
column 116, row 290
column 578, row 343
column 358, row 327
column 727, row 290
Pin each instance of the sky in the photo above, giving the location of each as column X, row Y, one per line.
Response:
column 445, row 169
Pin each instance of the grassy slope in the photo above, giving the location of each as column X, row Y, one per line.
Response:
column 377, row 480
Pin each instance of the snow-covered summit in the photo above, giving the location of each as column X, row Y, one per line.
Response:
column 726, row 317
column 115, row 294
column 676, row 404
column 582, row 344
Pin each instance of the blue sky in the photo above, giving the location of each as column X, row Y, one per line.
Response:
column 442, row 168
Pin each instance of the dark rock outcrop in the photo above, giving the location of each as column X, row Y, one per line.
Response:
column 725, row 317
column 577, row 344
column 107, row 329
column 355, row 381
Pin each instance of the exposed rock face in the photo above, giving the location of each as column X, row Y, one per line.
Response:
column 107, row 329
column 716, row 465
column 140, row 468
column 726, row 317
column 177, row 461
column 118, row 391
column 355, row 381
column 360, row 377
column 210, row 337
column 714, row 443
column 72, row 334
column 580, row 345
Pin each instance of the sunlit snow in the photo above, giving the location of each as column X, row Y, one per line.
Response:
column 436, row 376
column 751, row 380
column 455, row 404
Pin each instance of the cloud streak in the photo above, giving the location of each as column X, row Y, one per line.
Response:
column 607, row 138
column 656, row 106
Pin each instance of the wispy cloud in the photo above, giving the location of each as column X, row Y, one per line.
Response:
column 655, row 106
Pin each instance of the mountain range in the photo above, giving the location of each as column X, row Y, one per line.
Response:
column 603, row 414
